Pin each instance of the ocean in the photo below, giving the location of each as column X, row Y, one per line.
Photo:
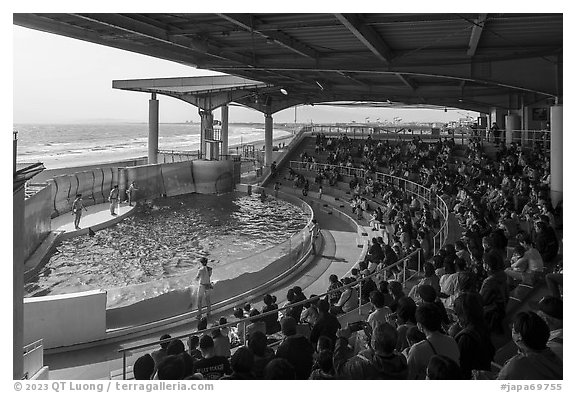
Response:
column 67, row 145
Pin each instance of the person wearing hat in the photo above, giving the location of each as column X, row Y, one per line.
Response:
column 295, row 348
column 205, row 287
column 550, row 309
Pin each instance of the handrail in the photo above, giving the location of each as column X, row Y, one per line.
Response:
column 404, row 261
column 441, row 235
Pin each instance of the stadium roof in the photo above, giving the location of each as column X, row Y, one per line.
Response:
column 467, row 61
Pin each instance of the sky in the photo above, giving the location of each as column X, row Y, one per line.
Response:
column 58, row 79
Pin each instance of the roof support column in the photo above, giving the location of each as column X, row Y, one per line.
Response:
column 556, row 136
column 18, row 284
column 224, row 130
column 153, row 130
column 512, row 128
column 206, row 132
column 268, row 128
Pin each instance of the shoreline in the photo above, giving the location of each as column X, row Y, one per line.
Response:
column 56, row 163
column 51, row 172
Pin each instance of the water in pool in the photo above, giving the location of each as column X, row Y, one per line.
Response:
column 162, row 245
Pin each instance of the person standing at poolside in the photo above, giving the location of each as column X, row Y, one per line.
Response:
column 113, row 199
column 205, row 287
column 131, row 193
column 77, row 207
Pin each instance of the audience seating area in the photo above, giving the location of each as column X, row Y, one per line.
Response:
column 480, row 299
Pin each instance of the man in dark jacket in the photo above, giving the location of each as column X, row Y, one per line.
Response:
column 546, row 242
column 296, row 349
column 326, row 325
column 381, row 361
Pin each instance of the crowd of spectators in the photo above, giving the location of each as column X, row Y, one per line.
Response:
column 443, row 327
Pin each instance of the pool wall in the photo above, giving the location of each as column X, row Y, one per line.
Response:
column 37, row 221
column 83, row 318
column 65, row 319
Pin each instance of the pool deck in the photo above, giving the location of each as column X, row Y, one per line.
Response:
column 96, row 217
column 338, row 255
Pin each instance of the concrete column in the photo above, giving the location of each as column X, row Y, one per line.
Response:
column 18, row 284
column 224, row 131
column 153, row 130
column 268, row 128
column 512, row 128
column 206, row 132
column 556, row 139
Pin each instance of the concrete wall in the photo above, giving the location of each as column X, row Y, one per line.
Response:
column 62, row 320
column 203, row 177
column 37, row 212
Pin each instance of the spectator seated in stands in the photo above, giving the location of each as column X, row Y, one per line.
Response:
column 327, row 324
column 241, row 326
column 241, row 364
column 550, row 309
column 161, row 353
column 442, row 367
column 211, row 366
column 279, row 369
column 367, row 286
column 295, row 348
column 143, row 367
column 429, row 321
column 175, row 347
column 534, row 361
column 380, row 361
column 381, row 313
column 334, row 284
column 323, row 368
column 256, row 325
column 271, row 321
column 405, row 319
column 546, row 241
column 413, row 336
column 531, row 261
column 348, row 300
column 171, row 367
column 262, row 353
column 397, row 293
column 494, row 292
column 193, row 350
column 473, row 337
column 221, row 343
column 430, row 278
column 310, row 314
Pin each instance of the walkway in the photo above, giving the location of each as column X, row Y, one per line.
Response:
column 97, row 217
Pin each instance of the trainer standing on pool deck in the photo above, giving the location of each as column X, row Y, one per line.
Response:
column 114, row 194
column 77, row 207
column 205, row 286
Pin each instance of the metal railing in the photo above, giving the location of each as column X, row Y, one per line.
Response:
column 33, row 358
column 406, row 186
column 178, row 155
column 404, row 268
column 461, row 135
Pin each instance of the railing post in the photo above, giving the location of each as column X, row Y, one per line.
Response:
column 360, row 295
column 419, row 263
column 404, row 275
column 124, row 365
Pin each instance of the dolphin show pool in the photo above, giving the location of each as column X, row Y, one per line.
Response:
column 156, row 249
